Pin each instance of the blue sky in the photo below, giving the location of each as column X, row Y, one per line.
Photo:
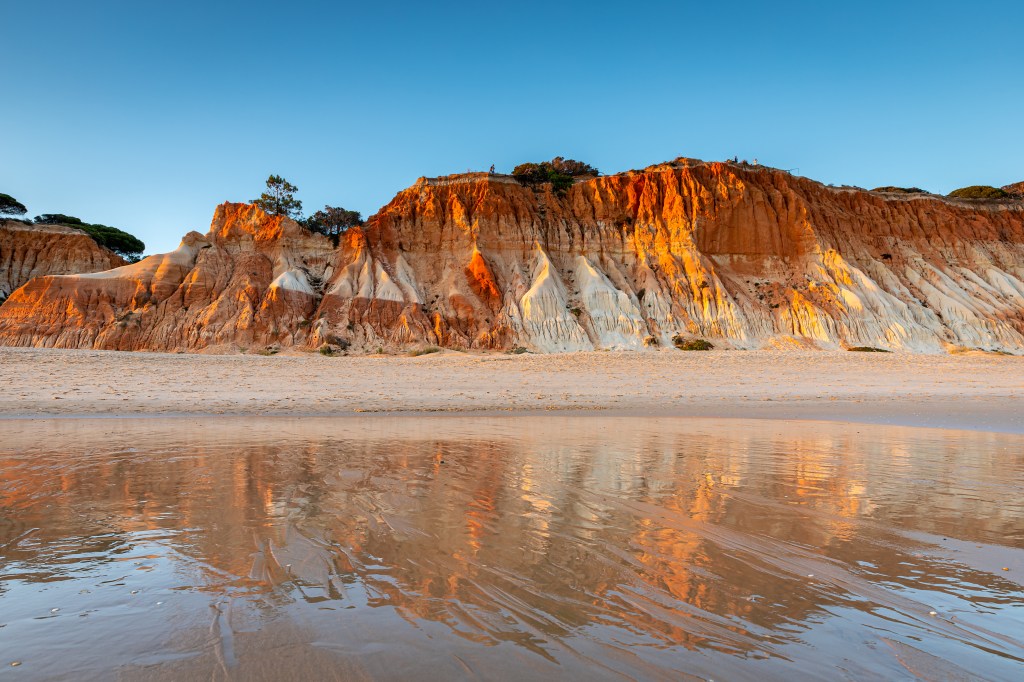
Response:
column 146, row 115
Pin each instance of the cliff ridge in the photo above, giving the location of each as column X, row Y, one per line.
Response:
column 745, row 256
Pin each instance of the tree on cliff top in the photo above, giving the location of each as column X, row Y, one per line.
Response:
column 10, row 206
column 558, row 171
column 333, row 220
column 126, row 245
column 279, row 199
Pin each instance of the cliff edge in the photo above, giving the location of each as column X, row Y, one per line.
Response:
column 28, row 250
column 747, row 257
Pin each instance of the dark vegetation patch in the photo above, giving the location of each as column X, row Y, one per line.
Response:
column 120, row 242
column 691, row 344
column 979, row 192
column 891, row 189
column 560, row 172
column 9, row 206
column 868, row 349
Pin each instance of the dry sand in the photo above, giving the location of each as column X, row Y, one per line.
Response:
column 975, row 390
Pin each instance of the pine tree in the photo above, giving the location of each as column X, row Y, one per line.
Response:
column 11, row 206
column 333, row 220
column 279, row 199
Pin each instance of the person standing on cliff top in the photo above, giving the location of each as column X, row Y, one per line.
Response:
column 492, row 169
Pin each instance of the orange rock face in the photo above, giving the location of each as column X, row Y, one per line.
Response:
column 28, row 251
column 746, row 257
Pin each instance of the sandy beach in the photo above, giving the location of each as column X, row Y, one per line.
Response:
column 977, row 390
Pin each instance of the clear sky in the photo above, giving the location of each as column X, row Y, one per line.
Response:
column 145, row 115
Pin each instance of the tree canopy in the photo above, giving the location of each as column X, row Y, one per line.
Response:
column 333, row 220
column 120, row 242
column 57, row 219
column 11, row 206
column 279, row 198
column 560, row 172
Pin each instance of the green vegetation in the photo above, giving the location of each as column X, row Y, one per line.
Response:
column 325, row 349
column 120, row 242
column 900, row 190
column 868, row 349
column 979, row 192
column 560, row 172
column 279, row 198
column 693, row 344
column 416, row 352
column 332, row 221
column 9, row 206
column 518, row 350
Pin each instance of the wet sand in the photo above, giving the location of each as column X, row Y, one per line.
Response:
column 976, row 390
column 543, row 547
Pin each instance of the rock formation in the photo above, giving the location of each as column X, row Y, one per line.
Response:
column 28, row 251
column 1016, row 190
column 747, row 257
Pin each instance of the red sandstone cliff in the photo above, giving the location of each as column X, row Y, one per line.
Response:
column 28, row 251
column 749, row 257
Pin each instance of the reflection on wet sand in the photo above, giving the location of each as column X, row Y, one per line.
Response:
column 509, row 548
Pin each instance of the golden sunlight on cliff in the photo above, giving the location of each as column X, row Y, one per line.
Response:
column 746, row 256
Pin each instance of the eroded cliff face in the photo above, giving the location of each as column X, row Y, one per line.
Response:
column 28, row 251
column 746, row 257
column 1016, row 189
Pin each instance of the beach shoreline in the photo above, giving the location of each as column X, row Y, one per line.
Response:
column 969, row 391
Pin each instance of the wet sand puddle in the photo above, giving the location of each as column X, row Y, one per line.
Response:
column 508, row 548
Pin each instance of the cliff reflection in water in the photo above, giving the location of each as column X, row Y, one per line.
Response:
column 509, row 548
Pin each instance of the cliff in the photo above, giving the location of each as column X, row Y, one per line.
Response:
column 744, row 256
column 28, row 251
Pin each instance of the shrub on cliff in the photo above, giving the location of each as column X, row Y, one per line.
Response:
column 126, row 245
column 693, row 344
column 332, row 220
column 978, row 192
column 9, row 206
column 279, row 198
column 560, row 172
column 890, row 189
